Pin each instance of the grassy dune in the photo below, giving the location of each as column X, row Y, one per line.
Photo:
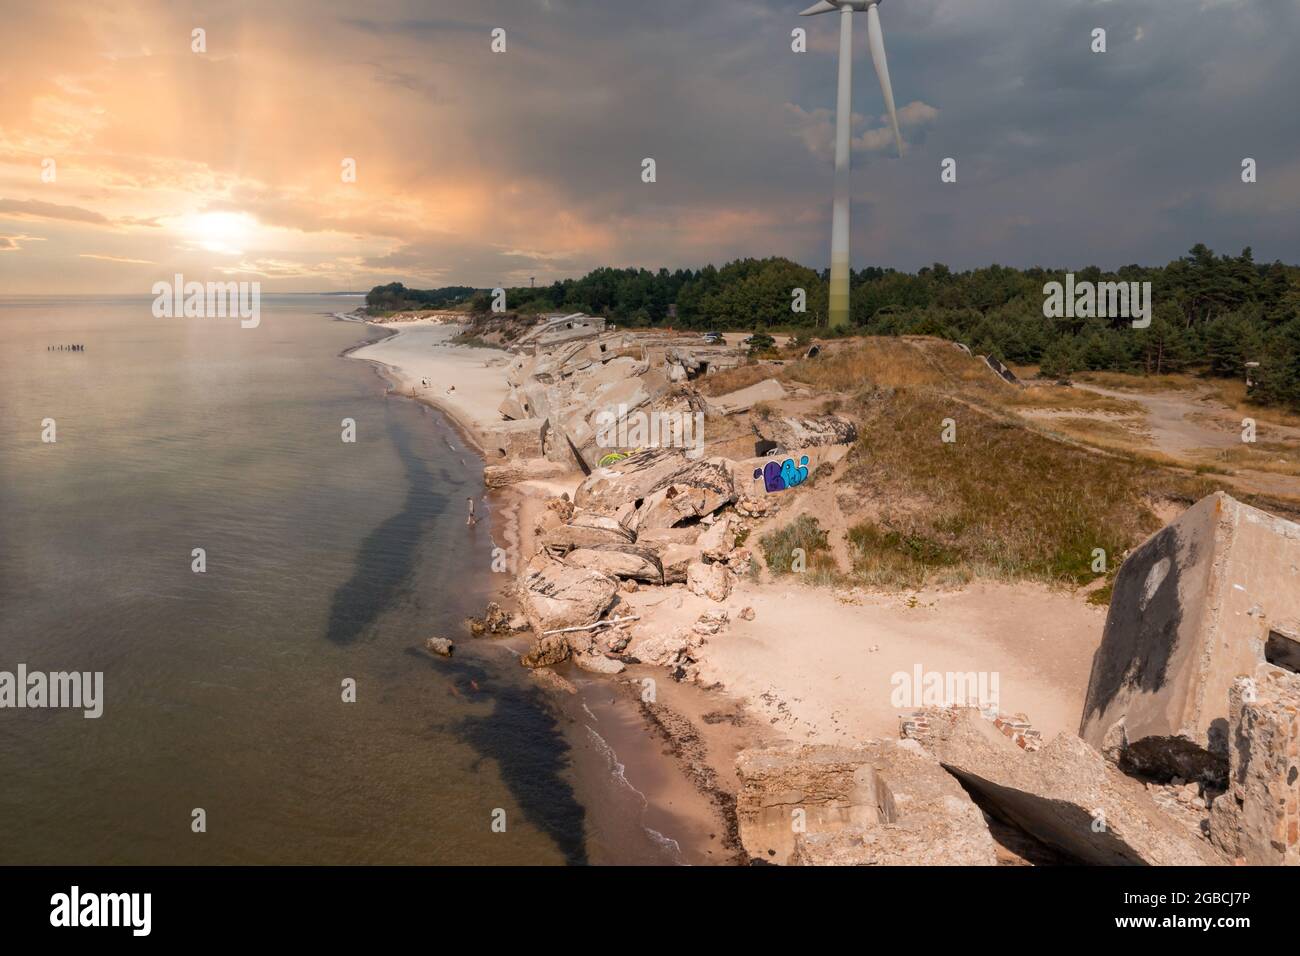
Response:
column 1003, row 500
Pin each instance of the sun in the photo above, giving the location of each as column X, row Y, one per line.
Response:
column 221, row 232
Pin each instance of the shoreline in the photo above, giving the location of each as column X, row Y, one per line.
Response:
column 666, row 755
column 765, row 661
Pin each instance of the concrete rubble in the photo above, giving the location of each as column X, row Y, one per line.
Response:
column 1187, row 745
column 884, row 803
column 569, row 371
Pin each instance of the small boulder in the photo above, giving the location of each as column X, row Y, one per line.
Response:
column 546, row 651
column 496, row 620
column 708, row 580
column 561, row 506
column 719, row 540
column 710, row 622
column 554, row 681
column 599, row 664
column 440, row 646
column 661, row 648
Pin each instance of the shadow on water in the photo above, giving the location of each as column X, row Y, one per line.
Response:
column 387, row 555
column 523, row 737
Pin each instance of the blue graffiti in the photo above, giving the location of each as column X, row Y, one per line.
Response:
column 779, row 477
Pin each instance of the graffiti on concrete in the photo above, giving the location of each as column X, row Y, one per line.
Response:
column 780, row 476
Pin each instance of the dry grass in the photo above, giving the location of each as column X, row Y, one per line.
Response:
column 1122, row 381
column 1064, row 398
column 733, row 379
column 1233, row 394
column 1002, row 501
column 1274, row 457
column 1100, row 432
column 893, row 559
column 914, row 361
column 1008, row 500
column 1230, row 392
column 803, row 534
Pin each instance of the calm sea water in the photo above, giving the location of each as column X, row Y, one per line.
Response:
column 325, row 561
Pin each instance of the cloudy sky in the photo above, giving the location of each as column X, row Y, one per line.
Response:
column 479, row 168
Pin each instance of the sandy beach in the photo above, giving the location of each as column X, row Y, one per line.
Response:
column 644, row 764
column 808, row 664
column 466, row 383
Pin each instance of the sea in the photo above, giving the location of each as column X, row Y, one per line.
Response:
column 181, row 513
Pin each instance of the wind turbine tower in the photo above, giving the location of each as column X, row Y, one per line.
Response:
column 839, row 295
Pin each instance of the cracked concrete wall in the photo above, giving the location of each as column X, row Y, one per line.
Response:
column 1191, row 610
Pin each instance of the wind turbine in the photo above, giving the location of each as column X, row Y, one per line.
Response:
column 839, row 297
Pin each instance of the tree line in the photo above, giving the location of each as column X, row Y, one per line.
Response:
column 1211, row 313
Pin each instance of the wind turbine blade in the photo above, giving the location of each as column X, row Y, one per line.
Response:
column 876, row 40
column 820, row 7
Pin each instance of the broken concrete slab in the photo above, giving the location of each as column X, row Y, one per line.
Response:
column 660, row 538
column 514, row 439
column 586, row 530
column 499, row 476
column 1066, row 795
column 886, row 802
column 640, row 475
column 719, row 539
column 795, row 432
column 622, row 561
column 584, row 418
column 680, row 503
column 1001, row 371
column 742, row 400
column 556, row 596
column 1193, row 609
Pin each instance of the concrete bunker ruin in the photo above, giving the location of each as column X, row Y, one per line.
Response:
column 1202, row 602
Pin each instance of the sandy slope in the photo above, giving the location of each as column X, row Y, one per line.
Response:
column 806, row 665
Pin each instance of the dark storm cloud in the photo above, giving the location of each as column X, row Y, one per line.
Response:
column 1064, row 156
column 484, row 168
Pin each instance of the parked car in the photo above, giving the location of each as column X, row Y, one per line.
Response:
column 713, row 338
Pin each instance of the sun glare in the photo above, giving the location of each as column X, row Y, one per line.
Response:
column 221, row 232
